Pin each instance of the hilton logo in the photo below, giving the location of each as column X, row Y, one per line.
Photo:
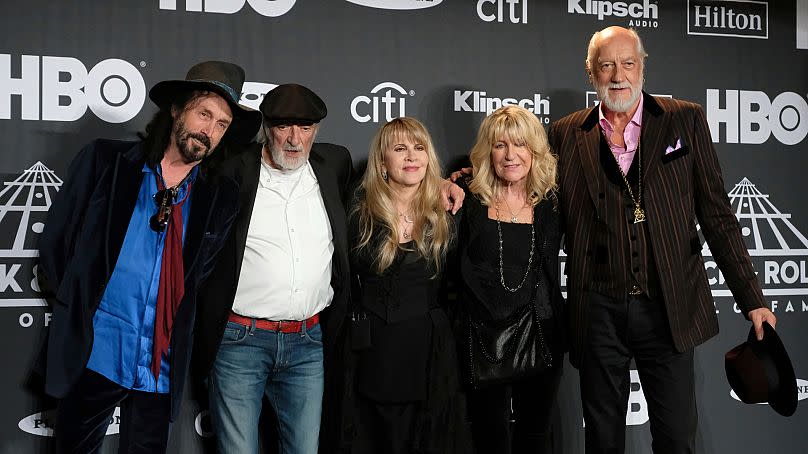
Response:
column 740, row 19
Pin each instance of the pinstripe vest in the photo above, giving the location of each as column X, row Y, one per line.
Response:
column 623, row 255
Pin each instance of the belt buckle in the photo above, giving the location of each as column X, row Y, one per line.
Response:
column 635, row 291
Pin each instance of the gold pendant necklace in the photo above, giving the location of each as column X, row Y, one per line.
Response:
column 639, row 213
column 407, row 225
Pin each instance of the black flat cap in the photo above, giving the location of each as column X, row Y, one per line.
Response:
column 292, row 104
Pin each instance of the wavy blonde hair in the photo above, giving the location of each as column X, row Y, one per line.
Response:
column 518, row 124
column 376, row 206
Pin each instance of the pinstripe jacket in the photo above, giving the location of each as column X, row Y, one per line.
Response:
column 681, row 187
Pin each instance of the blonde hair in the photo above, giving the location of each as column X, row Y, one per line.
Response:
column 518, row 124
column 377, row 209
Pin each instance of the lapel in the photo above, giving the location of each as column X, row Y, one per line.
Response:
column 250, row 169
column 330, row 190
column 588, row 143
column 655, row 132
column 126, row 180
column 203, row 197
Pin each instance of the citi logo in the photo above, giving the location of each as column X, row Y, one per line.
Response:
column 268, row 8
column 751, row 117
column 388, row 100
column 397, row 4
column 61, row 89
column 42, row 424
column 802, row 392
column 479, row 101
column 606, row 8
column 740, row 19
column 252, row 93
column 495, row 10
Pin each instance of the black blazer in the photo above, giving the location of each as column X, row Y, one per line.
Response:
column 81, row 241
column 333, row 167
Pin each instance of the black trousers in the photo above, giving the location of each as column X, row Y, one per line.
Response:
column 515, row 417
column 85, row 413
column 619, row 330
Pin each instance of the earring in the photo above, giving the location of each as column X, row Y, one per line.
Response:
column 384, row 175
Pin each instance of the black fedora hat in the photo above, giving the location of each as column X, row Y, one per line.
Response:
column 225, row 79
column 292, row 104
column 761, row 371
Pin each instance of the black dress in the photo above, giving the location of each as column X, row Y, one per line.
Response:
column 482, row 296
column 404, row 394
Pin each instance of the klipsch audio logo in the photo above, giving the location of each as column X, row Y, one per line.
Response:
column 24, row 203
column 640, row 14
column 752, row 117
column 61, row 89
column 513, row 11
column 397, row 4
column 252, row 93
column 268, row 8
column 42, row 423
column 779, row 251
column 387, row 100
column 481, row 101
column 740, row 19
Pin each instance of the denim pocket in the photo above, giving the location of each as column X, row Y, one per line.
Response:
column 315, row 334
column 234, row 333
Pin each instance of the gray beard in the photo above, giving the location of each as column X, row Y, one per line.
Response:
column 285, row 163
column 618, row 105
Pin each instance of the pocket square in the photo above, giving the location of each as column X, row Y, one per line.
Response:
column 674, row 147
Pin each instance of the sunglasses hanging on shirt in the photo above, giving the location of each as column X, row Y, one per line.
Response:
column 164, row 199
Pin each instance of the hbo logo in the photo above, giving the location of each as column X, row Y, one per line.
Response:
column 61, row 89
column 751, row 117
column 268, row 8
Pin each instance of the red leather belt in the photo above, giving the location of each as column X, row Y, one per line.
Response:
column 284, row 326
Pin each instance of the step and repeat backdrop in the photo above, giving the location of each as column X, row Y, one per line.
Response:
column 74, row 71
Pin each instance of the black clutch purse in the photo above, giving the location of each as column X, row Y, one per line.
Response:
column 504, row 351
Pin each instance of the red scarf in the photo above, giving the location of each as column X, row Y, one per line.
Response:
column 172, row 284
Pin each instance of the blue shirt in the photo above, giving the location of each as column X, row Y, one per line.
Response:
column 123, row 325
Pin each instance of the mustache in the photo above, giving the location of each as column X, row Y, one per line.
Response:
column 204, row 139
column 289, row 147
column 623, row 85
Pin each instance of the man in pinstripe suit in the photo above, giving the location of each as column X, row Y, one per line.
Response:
column 636, row 174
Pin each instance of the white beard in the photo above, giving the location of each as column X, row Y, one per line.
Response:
column 619, row 105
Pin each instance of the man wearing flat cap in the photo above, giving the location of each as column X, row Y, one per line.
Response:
column 128, row 240
column 271, row 315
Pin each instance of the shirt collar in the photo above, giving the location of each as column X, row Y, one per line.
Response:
column 636, row 119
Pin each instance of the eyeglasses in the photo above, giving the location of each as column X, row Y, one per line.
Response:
column 164, row 200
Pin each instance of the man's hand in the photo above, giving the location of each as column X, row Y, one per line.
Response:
column 760, row 315
column 452, row 196
column 458, row 173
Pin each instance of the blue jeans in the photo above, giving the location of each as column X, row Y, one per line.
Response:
column 287, row 368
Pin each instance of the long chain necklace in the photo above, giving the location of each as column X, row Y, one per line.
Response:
column 639, row 213
column 529, row 259
column 407, row 225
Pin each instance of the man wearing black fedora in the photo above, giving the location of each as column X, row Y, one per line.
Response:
column 281, row 288
column 128, row 240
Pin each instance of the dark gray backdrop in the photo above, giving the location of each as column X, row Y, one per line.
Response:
column 73, row 71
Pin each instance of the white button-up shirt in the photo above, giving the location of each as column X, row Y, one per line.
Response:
column 286, row 270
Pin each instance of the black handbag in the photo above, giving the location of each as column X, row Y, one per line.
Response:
column 504, row 351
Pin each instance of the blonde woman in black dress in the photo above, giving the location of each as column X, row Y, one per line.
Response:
column 403, row 386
